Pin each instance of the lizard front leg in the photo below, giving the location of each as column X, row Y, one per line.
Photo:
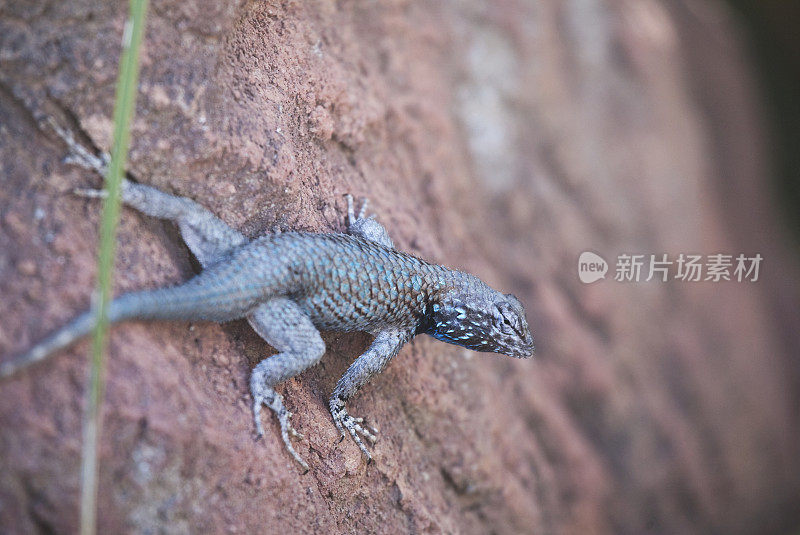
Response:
column 366, row 227
column 282, row 323
column 384, row 347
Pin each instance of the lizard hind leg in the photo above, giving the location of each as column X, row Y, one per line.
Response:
column 283, row 324
column 207, row 236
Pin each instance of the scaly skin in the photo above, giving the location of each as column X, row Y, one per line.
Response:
column 291, row 285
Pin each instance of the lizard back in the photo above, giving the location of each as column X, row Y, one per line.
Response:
column 346, row 283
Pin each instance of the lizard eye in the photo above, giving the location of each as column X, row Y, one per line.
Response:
column 507, row 320
column 503, row 320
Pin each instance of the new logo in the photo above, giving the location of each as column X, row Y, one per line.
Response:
column 591, row 267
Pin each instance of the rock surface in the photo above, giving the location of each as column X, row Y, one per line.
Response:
column 503, row 138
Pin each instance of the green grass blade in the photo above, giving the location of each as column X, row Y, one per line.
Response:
column 123, row 113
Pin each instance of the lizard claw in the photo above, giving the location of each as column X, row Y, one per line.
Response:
column 290, row 428
column 351, row 214
column 90, row 193
column 78, row 154
column 257, row 417
column 366, row 227
column 369, row 432
column 354, row 426
column 274, row 401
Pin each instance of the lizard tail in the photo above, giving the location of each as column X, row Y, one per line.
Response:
column 119, row 309
column 80, row 327
column 183, row 302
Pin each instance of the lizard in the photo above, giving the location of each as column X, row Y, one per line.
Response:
column 291, row 285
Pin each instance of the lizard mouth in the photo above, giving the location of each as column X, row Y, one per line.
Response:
column 525, row 352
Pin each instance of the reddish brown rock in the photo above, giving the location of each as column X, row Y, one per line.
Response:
column 505, row 139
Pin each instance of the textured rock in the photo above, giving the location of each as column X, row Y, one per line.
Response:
column 504, row 139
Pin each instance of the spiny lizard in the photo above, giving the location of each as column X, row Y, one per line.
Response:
column 291, row 285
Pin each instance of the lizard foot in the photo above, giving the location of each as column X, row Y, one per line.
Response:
column 80, row 155
column 351, row 215
column 90, row 193
column 274, row 401
column 366, row 226
column 355, row 426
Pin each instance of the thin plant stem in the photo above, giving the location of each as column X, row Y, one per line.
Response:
column 123, row 113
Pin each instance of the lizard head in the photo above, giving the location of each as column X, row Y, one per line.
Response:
column 482, row 319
